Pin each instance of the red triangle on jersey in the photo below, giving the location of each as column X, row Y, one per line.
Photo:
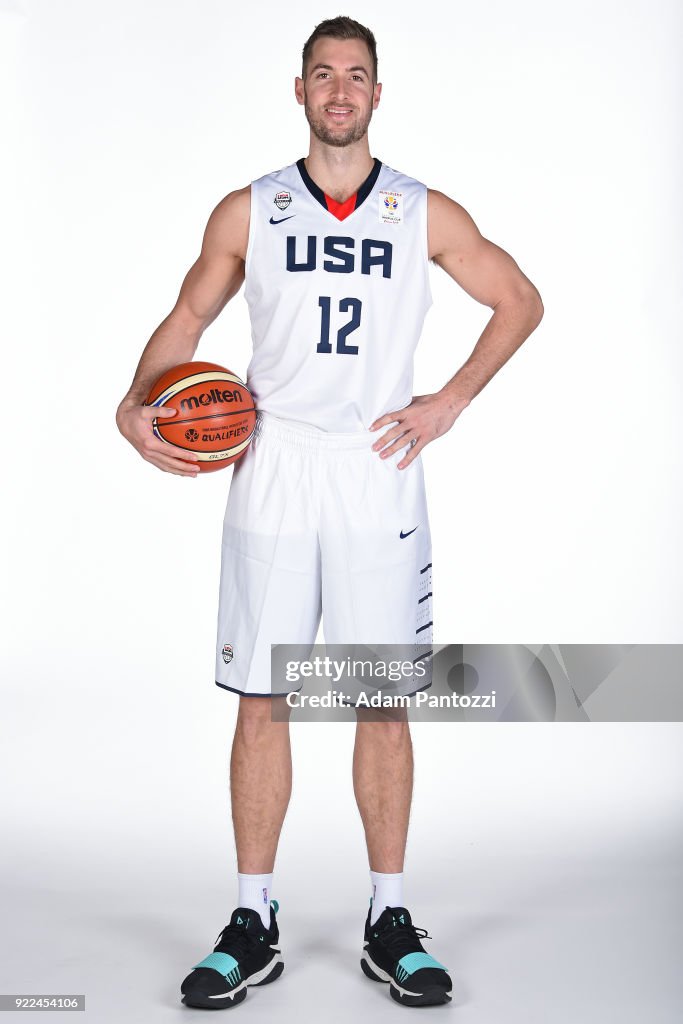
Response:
column 341, row 210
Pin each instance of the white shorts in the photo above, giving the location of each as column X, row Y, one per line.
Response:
column 317, row 523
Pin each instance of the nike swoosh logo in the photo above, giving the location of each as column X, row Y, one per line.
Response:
column 404, row 535
column 282, row 218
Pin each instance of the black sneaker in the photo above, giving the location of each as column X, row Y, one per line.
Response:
column 393, row 952
column 245, row 954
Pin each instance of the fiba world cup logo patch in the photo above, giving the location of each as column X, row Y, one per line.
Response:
column 282, row 200
column 390, row 207
column 227, row 653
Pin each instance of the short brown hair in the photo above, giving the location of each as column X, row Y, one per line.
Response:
column 341, row 28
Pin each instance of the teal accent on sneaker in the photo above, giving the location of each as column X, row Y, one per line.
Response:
column 225, row 964
column 275, row 905
column 412, row 962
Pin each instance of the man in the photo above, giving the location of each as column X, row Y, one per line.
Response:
column 335, row 249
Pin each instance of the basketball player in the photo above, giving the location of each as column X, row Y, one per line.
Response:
column 326, row 510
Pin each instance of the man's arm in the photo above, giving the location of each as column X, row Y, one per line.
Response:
column 491, row 276
column 210, row 283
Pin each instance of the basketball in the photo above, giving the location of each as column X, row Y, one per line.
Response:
column 215, row 415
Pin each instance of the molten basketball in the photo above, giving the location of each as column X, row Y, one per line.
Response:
column 215, row 413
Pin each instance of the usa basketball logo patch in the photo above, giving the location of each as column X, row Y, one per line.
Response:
column 282, row 200
column 227, row 653
column 390, row 207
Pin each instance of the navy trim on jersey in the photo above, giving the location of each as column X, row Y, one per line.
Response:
column 362, row 193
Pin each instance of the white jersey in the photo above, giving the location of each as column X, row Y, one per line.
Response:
column 336, row 305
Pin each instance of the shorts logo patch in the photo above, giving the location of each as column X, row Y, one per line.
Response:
column 390, row 207
column 227, row 653
column 403, row 535
column 282, row 200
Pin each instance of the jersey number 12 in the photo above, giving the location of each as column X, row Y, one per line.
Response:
column 345, row 305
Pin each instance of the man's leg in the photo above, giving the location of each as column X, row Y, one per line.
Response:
column 269, row 593
column 383, row 784
column 247, row 950
column 376, row 585
column 260, row 783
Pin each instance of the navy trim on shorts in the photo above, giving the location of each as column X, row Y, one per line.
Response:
column 422, row 657
column 241, row 693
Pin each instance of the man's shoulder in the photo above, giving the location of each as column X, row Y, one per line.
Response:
column 280, row 187
column 228, row 225
column 400, row 180
column 441, row 205
column 233, row 212
column 233, row 209
column 236, row 201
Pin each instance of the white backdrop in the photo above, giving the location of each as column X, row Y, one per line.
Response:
column 555, row 501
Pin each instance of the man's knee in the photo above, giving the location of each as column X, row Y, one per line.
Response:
column 392, row 717
column 392, row 729
column 261, row 714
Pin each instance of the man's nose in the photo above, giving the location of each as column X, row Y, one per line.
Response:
column 339, row 88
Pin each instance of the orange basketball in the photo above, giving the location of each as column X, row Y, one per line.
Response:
column 215, row 413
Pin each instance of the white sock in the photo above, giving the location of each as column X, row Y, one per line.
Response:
column 254, row 893
column 387, row 891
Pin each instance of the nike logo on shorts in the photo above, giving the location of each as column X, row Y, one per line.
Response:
column 404, row 535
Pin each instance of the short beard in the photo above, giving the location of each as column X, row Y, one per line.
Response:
column 354, row 133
